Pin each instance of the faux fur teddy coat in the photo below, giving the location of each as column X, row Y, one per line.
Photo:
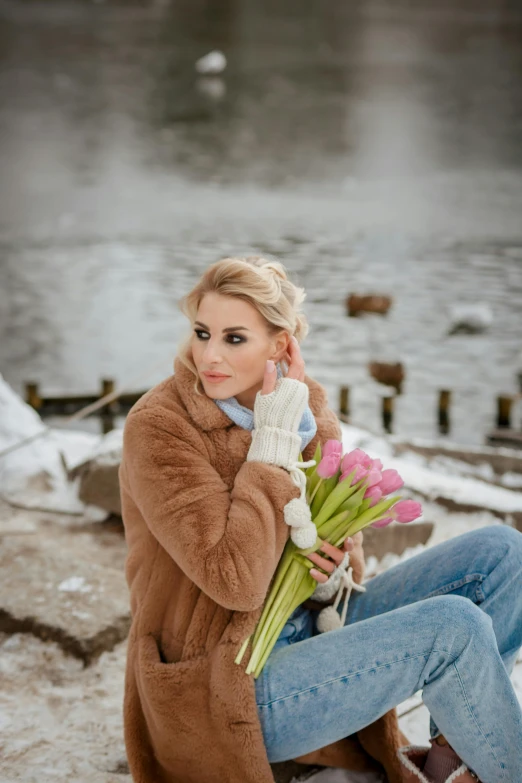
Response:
column 205, row 531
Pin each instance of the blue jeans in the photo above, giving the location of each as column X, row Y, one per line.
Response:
column 447, row 621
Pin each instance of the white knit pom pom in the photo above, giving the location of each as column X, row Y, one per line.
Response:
column 304, row 537
column 297, row 514
column 328, row 620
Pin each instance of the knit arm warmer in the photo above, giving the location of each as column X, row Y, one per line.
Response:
column 277, row 415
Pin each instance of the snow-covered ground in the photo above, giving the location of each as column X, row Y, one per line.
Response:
column 61, row 721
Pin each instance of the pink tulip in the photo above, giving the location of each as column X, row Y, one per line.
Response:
column 360, row 472
column 353, row 458
column 329, row 465
column 373, row 477
column 406, row 510
column 377, row 464
column 390, row 482
column 382, row 522
column 374, row 493
column 332, row 446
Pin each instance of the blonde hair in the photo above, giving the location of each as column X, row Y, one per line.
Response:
column 262, row 283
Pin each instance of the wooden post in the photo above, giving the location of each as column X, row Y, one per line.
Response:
column 504, row 411
column 32, row 396
column 387, row 413
column 344, row 403
column 107, row 414
column 107, row 386
column 444, row 403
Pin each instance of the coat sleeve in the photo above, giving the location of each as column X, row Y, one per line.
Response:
column 227, row 541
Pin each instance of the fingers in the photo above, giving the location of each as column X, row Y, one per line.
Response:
column 296, row 367
column 318, row 576
column 334, row 552
column 269, row 380
column 322, row 562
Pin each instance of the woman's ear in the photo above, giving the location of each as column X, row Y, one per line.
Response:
column 281, row 347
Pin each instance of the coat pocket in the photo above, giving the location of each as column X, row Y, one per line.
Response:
column 174, row 699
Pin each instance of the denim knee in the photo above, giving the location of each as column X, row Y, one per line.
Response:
column 510, row 535
column 500, row 535
column 461, row 620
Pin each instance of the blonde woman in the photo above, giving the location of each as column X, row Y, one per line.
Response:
column 209, row 461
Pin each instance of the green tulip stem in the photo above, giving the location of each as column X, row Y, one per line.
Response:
column 242, row 651
column 315, row 490
column 284, row 565
column 296, row 600
column 282, row 597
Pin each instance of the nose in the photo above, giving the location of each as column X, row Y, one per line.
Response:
column 211, row 355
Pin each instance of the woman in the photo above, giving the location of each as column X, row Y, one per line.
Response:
column 207, row 470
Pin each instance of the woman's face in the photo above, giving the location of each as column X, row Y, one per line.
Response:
column 219, row 345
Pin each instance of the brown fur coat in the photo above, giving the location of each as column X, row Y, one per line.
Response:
column 205, row 531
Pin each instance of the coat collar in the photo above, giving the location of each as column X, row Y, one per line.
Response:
column 209, row 416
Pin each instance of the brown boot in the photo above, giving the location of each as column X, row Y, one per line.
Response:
column 413, row 758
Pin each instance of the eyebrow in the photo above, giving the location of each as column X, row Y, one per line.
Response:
column 228, row 329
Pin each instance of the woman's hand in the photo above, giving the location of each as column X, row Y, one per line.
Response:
column 335, row 553
column 356, row 561
column 296, row 367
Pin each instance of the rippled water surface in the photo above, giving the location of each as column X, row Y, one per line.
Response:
column 371, row 148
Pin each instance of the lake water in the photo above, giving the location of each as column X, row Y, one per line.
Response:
column 371, row 147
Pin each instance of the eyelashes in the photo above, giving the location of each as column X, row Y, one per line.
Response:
column 198, row 332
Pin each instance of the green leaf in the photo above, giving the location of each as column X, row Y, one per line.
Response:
column 339, row 495
column 312, row 482
column 375, row 512
column 355, row 500
column 319, row 499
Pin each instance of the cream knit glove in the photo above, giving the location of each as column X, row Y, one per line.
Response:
column 275, row 440
column 328, row 618
column 276, row 421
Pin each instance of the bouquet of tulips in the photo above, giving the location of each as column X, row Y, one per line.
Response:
column 345, row 493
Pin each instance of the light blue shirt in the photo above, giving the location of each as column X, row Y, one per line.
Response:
column 244, row 417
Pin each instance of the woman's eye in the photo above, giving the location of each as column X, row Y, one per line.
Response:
column 199, row 332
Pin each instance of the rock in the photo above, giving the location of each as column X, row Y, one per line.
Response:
column 395, row 537
column 389, row 374
column 470, row 318
column 500, row 460
column 99, row 485
column 504, row 436
column 368, row 304
column 212, row 63
column 513, row 518
column 81, row 605
column 453, row 477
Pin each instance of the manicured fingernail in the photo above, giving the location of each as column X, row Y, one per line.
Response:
column 270, row 366
column 313, row 572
